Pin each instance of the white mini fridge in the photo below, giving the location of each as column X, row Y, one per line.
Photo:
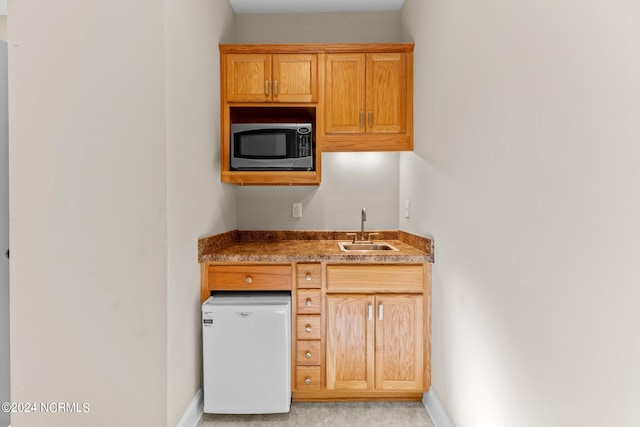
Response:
column 246, row 352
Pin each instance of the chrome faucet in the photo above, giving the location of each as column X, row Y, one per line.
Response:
column 363, row 218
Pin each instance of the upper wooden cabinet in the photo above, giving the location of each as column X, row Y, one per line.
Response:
column 366, row 93
column 358, row 97
column 271, row 78
column 368, row 102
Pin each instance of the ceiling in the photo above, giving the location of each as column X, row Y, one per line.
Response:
column 306, row 6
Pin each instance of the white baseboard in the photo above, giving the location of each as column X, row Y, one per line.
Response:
column 436, row 411
column 194, row 411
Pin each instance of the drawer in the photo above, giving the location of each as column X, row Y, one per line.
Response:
column 307, row 378
column 308, row 327
column 249, row 277
column 365, row 278
column 309, row 276
column 307, row 352
column 309, row 301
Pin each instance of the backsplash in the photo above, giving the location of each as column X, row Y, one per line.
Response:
column 350, row 181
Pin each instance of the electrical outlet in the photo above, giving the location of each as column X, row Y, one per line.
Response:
column 297, row 210
column 407, row 209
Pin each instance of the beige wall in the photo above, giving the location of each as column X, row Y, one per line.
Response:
column 526, row 173
column 3, row 28
column 88, row 210
column 113, row 175
column 343, row 27
column 198, row 204
column 347, row 178
column 4, row 235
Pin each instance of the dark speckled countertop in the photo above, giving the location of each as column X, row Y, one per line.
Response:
column 310, row 246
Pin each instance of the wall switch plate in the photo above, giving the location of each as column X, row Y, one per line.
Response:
column 297, row 210
column 407, row 209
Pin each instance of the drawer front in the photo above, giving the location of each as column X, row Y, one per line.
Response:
column 403, row 278
column 308, row 327
column 309, row 301
column 308, row 353
column 247, row 277
column 308, row 378
column 309, row 276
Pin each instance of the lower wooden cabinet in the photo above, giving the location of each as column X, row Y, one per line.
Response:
column 375, row 342
column 360, row 331
column 372, row 324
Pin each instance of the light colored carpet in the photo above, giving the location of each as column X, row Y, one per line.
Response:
column 332, row 414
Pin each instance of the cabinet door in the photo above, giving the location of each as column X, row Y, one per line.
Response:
column 399, row 342
column 248, row 77
column 295, row 78
column 386, row 92
column 349, row 340
column 344, row 98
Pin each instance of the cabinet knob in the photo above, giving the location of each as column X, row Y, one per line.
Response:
column 307, row 381
column 308, row 276
column 308, row 328
column 308, row 302
column 248, row 279
column 307, row 355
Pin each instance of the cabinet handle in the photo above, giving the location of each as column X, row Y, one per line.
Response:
column 248, row 279
column 308, row 302
column 275, row 88
column 308, row 328
column 362, row 118
column 307, row 381
column 370, row 312
column 308, row 277
column 370, row 118
column 307, row 355
column 266, row 87
column 380, row 312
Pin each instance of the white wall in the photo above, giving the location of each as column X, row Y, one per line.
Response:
column 350, row 181
column 198, row 204
column 88, row 210
column 526, row 173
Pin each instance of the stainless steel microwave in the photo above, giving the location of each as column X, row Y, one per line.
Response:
column 271, row 146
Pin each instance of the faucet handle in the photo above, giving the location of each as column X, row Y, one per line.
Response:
column 372, row 234
column 354, row 236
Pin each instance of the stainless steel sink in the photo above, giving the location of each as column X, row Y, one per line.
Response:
column 364, row 247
